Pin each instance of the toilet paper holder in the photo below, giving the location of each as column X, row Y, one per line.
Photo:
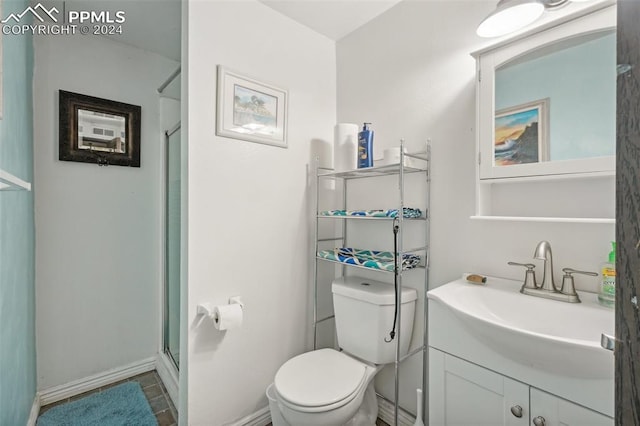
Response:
column 206, row 309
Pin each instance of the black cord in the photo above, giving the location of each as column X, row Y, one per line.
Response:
column 392, row 333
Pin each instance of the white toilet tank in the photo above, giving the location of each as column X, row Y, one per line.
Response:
column 364, row 311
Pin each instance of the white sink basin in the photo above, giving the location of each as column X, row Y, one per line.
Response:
column 557, row 337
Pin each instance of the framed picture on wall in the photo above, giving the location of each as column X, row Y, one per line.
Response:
column 96, row 130
column 250, row 110
column 522, row 134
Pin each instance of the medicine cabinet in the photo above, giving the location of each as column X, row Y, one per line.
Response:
column 546, row 113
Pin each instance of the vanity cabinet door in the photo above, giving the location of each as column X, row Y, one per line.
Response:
column 550, row 410
column 464, row 394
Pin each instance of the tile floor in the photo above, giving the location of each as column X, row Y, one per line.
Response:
column 153, row 389
column 156, row 394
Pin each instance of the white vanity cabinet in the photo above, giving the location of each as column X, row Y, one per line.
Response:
column 464, row 394
column 549, row 410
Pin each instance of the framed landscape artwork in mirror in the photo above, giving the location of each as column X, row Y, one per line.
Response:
column 521, row 134
column 96, row 130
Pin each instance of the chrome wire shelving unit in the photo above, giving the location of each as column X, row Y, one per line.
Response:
column 420, row 164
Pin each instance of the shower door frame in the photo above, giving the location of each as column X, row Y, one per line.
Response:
column 165, row 286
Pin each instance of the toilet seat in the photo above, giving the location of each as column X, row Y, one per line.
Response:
column 320, row 380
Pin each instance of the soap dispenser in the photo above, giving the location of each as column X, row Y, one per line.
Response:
column 607, row 293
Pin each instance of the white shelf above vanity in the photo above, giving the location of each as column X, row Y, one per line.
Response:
column 601, row 220
column 566, row 198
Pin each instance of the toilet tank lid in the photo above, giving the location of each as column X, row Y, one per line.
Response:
column 371, row 291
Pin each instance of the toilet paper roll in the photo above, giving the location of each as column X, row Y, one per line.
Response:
column 345, row 147
column 227, row 317
column 392, row 156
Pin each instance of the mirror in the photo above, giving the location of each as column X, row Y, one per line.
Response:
column 101, row 132
column 572, row 87
column 547, row 102
column 95, row 130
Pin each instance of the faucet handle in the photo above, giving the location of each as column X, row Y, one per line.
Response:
column 569, row 271
column 529, row 276
column 568, row 286
column 529, row 266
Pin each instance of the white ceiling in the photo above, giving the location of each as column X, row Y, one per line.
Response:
column 333, row 18
column 155, row 25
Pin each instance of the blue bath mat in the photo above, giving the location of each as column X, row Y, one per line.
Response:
column 122, row 405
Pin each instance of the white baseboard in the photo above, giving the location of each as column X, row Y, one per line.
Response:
column 386, row 414
column 57, row 393
column 168, row 375
column 35, row 410
column 261, row 417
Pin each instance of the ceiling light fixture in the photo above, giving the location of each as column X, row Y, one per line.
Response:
column 511, row 15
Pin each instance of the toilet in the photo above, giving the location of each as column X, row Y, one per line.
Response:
column 327, row 387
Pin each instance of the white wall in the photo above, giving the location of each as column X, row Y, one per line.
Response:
column 409, row 72
column 249, row 204
column 98, row 246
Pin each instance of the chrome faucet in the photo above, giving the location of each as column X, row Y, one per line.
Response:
column 547, row 288
column 543, row 252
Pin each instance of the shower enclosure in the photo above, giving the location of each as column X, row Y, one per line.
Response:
column 170, row 119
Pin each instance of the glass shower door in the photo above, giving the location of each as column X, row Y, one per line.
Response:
column 172, row 246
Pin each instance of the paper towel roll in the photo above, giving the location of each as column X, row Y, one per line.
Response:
column 345, row 147
column 227, row 317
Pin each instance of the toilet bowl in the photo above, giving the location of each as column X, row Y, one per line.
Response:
column 327, row 387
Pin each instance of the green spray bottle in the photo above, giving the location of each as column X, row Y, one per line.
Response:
column 607, row 294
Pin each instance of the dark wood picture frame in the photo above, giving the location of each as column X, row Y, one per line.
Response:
column 69, row 148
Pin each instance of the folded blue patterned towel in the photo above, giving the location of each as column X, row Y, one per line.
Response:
column 383, row 260
column 408, row 213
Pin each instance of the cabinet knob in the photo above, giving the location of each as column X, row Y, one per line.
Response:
column 539, row 421
column 516, row 410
